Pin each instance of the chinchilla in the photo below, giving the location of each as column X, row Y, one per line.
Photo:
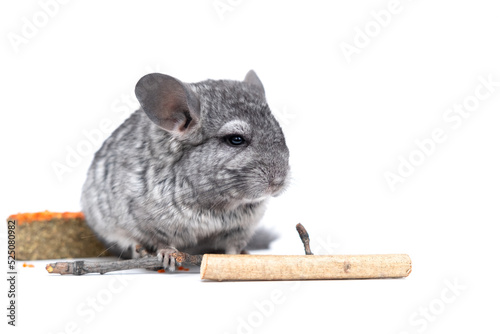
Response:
column 191, row 170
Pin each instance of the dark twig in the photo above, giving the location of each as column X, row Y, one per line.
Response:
column 304, row 236
column 87, row 267
column 147, row 261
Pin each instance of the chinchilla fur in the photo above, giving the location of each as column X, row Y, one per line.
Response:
column 191, row 170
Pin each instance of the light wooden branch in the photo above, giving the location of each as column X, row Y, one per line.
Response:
column 222, row 267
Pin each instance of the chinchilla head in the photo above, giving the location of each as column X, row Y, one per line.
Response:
column 233, row 149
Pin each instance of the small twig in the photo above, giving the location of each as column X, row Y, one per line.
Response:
column 304, row 236
column 146, row 261
column 87, row 267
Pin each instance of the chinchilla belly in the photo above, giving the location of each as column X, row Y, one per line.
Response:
column 190, row 230
column 201, row 231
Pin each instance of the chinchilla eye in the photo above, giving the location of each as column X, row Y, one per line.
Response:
column 235, row 140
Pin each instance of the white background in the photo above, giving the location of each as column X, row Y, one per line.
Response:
column 346, row 120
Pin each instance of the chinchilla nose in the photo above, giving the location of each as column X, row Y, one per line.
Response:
column 277, row 181
column 276, row 186
column 276, row 169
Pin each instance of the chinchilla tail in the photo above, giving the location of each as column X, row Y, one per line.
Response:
column 262, row 239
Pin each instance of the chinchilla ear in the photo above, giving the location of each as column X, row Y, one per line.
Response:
column 253, row 79
column 168, row 102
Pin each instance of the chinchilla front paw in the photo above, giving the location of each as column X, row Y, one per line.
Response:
column 165, row 255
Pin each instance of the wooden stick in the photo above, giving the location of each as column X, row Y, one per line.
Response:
column 87, row 267
column 222, row 267
column 146, row 262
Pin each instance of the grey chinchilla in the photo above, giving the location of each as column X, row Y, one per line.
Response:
column 191, row 170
